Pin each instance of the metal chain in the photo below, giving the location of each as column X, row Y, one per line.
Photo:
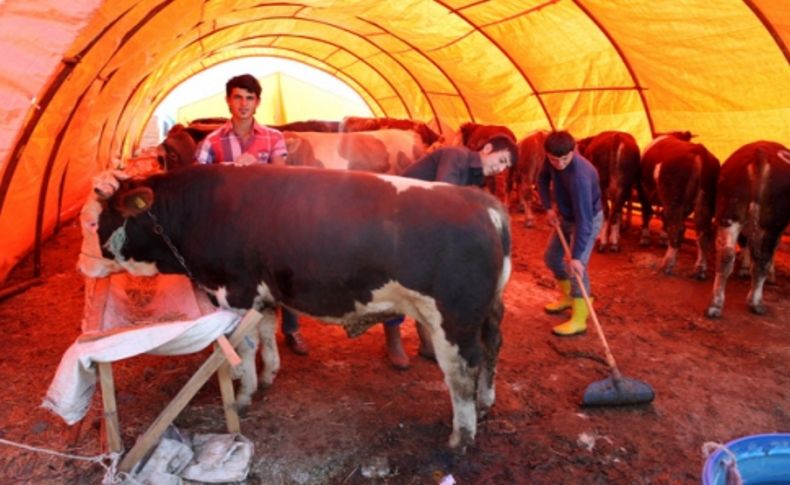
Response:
column 158, row 229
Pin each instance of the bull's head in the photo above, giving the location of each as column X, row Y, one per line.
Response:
column 103, row 219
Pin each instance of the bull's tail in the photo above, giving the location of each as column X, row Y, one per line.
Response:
column 501, row 221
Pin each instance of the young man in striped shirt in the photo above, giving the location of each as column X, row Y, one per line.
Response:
column 242, row 141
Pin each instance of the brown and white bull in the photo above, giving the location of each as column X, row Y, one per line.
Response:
column 380, row 151
column 615, row 154
column 753, row 198
column 681, row 176
column 362, row 248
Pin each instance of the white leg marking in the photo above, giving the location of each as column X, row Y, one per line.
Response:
column 270, row 355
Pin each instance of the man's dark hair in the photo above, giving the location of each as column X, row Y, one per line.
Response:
column 244, row 81
column 559, row 143
column 505, row 143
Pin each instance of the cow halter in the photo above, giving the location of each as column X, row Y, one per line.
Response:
column 158, row 229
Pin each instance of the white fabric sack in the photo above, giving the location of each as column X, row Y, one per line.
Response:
column 166, row 462
column 69, row 395
column 220, row 458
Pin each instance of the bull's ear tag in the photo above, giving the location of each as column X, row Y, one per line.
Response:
column 139, row 202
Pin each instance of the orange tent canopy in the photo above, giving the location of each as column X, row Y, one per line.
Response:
column 80, row 79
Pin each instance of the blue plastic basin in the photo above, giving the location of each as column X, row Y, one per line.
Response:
column 762, row 459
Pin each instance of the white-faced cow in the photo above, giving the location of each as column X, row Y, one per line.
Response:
column 362, row 248
column 381, row 151
column 681, row 176
column 753, row 197
column 615, row 155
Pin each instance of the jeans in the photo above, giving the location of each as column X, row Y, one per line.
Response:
column 395, row 321
column 290, row 324
column 554, row 256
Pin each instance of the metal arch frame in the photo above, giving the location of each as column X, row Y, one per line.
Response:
column 769, row 27
column 325, row 70
column 322, row 67
column 439, row 68
column 337, row 46
column 507, row 55
column 382, row 51
column 631, row 72
column 357, row 35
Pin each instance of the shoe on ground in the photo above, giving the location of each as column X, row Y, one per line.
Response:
column 296, row 342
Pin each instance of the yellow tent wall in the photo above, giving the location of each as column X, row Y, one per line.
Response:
column 80, row 79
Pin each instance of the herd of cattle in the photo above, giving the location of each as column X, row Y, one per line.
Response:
column 746, row 197
column 267, row 255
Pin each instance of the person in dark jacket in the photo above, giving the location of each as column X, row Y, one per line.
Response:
column 571, row 182
column 455, row 165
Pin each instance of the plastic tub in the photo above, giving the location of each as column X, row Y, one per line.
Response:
column 762, row 459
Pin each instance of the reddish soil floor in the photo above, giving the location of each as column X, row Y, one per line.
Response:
column 343, row 410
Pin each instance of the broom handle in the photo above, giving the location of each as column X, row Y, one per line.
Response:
column 609, row 357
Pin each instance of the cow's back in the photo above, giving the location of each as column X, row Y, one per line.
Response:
column 381, row 151
column 758, row 172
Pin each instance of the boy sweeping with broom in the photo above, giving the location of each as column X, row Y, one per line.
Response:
column 577, row 209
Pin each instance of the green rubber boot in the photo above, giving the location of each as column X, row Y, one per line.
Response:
column 578, row 322
column 565, row 301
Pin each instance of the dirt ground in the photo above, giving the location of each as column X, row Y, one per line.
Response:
column 342, row 410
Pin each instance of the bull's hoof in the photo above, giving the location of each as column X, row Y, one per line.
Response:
column 460, row 440
column 667, row 270
column 699, row 274
column 266, row 379
column 644, row 241
column 758, row 308
column 601, row 248
column 713, row 312
column 614, row 248
column 243, row 402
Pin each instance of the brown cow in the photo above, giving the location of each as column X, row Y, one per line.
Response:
column 754, row 197
column 177, row 150
column 355, row 123
column 681, row 177
column 615, row 155
column 381, row 151
column 524, row 172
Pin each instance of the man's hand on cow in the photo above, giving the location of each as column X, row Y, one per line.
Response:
column 107, row 182
column 245, row 159
column 577, row 267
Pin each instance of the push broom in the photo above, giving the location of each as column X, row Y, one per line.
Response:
column 615, row 390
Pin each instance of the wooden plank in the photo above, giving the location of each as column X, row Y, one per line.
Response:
column 111, row 424
column 228, row 398
column 230, row 353
column 154, row 432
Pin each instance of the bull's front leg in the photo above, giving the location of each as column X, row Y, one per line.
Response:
column 270, row 355
column 461, row 380
column 725, row 248
column 247, row 350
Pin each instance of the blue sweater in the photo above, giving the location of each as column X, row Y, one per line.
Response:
column 577, row 193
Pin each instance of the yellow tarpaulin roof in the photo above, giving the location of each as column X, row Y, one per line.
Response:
column 81, row 78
